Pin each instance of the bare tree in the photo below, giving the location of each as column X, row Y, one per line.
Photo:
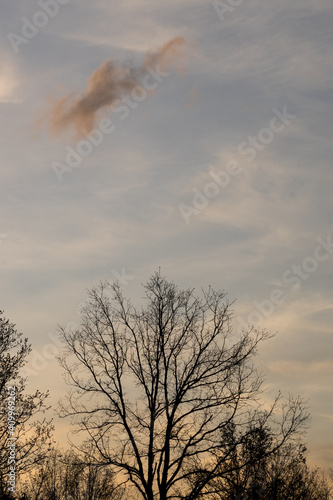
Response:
column 256, row 465
column 24, row 440
column 154, row 388
column 65, row 476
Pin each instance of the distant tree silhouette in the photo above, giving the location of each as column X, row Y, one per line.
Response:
column 33, row 436
column 65, row 476
column 254, row 467
column 155, row 388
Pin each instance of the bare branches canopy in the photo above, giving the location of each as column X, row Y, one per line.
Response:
column 156, row 388
column 25, row 437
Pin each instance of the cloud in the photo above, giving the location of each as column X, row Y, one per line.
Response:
column 8, row 80
column 107, row 84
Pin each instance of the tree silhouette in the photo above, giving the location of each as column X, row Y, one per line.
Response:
column 154, row 388
column 66, row 476
column 31, row 437
column 255, row 468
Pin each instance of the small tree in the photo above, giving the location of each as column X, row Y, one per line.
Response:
column 256, row 468
column 155, row 388
column 24, row 441
column 65, row 476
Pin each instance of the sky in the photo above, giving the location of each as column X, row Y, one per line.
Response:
column 211, row 160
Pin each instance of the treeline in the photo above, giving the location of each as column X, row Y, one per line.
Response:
column 251, row 474
column 66, row 476
column 192, row 428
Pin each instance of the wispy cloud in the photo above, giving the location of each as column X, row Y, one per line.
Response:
column 107, row 84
